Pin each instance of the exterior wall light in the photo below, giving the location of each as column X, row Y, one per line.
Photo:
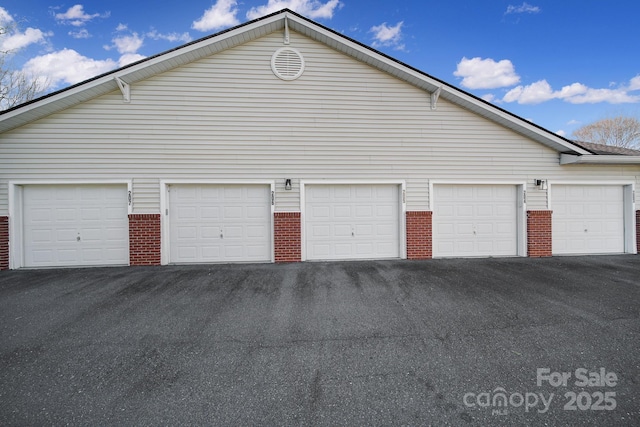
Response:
column 541, row 184
column 287, row 184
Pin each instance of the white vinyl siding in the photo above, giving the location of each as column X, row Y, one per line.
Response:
column 229, row 117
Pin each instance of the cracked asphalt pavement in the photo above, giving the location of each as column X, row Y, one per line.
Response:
column 436, row 342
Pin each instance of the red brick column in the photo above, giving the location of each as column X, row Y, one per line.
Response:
column 144, row 239
column 638, row 231
column 4, row 242
column 287, row 240
column 419, row 235
column 539, row 233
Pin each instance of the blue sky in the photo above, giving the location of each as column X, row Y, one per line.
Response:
column 557, row 63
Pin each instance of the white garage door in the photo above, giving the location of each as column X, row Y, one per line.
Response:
column 352, row 222
column 587, row 219
column 219, row 223
column 75, row 225
column 475, row 220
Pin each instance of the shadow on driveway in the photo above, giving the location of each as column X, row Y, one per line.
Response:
column 353, row 343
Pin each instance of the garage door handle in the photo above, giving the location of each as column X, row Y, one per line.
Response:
column 78, row 238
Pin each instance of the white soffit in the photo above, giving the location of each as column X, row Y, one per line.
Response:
column 570, row 159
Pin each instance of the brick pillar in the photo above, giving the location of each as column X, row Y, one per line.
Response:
column 144, row 239
column 287, row 240
column 4, row 242
column 539, row 233
column 638, row 231
column 419, row 234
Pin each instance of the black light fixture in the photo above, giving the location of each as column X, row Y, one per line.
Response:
column 541, row 184
column 287, row 184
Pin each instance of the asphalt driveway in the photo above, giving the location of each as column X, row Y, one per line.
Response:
column 442, row 342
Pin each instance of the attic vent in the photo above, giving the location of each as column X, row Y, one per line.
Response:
column 287, row 63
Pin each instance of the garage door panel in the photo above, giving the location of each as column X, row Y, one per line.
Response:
column 366, row 212
column 320, row 231
column 219, row 223
column 40, row 236
column 116, row 234
column 257, row 231
column 232, row 212
column 68, row 256
column 464, row 211
column 341, row 230
column 366, row 193
column 387, row 230
column 463, row 229
column 184, row 213
column 343, row 249
column 75, row 225
column 351, row 221
column 190, row 252
column 92, row 234
column 342, row 212
column 587, row 219
column 363, row 230
column 342, row 192
column 365, row 249
column 475, row 220
column 206, row 212
column 320, row 250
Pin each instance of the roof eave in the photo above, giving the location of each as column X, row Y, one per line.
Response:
column 593, row 159
column 429, row 83
column 254, row 29
column 138, row 71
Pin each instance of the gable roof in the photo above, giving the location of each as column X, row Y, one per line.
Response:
column 607, row 149
column 282, row 20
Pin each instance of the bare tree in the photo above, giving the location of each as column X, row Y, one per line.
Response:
column 619, row 131
column 16, row 86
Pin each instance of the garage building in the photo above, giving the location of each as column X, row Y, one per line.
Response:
column 282, row 140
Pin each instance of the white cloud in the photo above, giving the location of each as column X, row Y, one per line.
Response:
column 77, row 17
column 220, row 15
column 612, row 96
column 576, row 93
column 171, row 37
column 122, row 27
column 574, row 122
column 561, row 132
column 534, row 93
column 5, row 17
column 16, row 41
column 489, row 97
column 129, row 58
column 313, row 9
column 478, row 73
column 128, row 44
column 634, row 83
column 81, row 34
column 385, row 35
column 66, row 66
column 523, row 8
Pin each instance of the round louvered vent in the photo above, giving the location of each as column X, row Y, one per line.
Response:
column 287, row 63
